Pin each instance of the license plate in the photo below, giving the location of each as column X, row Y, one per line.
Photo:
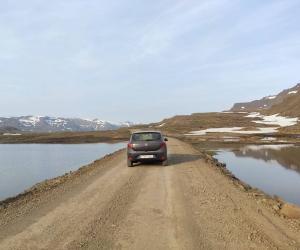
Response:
column 146, row 156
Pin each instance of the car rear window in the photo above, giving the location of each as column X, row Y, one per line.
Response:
column 148, row 136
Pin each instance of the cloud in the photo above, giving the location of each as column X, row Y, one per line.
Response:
column 173, row 23
column 115, row 52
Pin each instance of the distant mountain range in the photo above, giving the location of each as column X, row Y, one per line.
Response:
column 56, row 124
column 286, row 103
column 8, row 130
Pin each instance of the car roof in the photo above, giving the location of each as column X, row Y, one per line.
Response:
column 146, row 131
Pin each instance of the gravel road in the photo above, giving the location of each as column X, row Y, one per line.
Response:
column 189, row 204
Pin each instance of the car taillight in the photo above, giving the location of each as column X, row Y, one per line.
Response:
column 163, row 144
column 130, row 145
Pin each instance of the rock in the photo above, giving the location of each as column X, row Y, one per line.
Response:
column 276, row 207
column 256, row 194
column 241, row 187
column 290, row 211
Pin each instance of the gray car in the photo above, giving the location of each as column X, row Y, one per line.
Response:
column 146, row 146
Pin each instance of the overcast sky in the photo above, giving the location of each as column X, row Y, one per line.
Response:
column 144, row 60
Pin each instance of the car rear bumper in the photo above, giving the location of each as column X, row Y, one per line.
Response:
column 139, row 156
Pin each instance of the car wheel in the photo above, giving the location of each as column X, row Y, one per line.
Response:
column 129, row 163
column 165, row 163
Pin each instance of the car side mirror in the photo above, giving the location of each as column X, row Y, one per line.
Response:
column 166, row 139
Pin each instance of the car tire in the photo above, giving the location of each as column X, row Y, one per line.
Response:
column 129, row 163
column 164, row 163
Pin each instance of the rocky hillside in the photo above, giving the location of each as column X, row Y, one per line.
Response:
column 286, row 102
column 185, row 123
column 290, row 106
column 56, row 124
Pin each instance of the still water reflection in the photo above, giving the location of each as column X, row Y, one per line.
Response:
column 275, row 169
column 23, row 165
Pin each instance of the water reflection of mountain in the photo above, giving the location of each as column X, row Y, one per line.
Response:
column 287, row 156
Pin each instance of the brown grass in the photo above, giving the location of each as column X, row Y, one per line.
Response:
column 69, row 137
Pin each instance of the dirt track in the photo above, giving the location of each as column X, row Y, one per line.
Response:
column 187, row 205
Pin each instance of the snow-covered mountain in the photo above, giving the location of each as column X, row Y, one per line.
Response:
column 57, row 124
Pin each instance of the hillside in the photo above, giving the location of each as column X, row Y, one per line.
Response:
column 286, row 102
column 289, row 107
column 186, row 123
column 277, row 114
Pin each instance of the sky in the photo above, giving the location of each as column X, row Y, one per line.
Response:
column 143, row 61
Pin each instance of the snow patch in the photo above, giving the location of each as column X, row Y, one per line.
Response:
column 234, row 112
column 271, row 97
column 56, row 122
column 11, row 134
column 230, row 139
column 293, row 92
column 253, row 115
column 30, row 120
column 99, row 123
column 161, row 125
column 237, row 130
column 127, row 124
column 215, row 130
column 273, row 147
column 269, row 139
column 276, row 119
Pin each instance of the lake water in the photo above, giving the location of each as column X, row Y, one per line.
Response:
column 23, row 165
column 275, row 169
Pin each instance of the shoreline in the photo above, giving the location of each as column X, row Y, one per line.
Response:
column 49, row 185
column 102, row 198
column 67, row 137
column 278, row 204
